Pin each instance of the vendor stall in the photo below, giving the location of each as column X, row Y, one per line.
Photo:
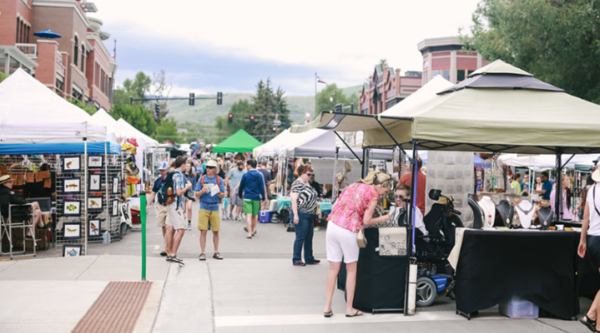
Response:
column 499, row 108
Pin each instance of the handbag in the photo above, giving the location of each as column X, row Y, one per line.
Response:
column 361, row 240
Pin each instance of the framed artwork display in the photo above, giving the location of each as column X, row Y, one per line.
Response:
column 115, row 185
column 94, row 227
column 71, row 250
column 94, row 204
column 72, row 230
column 114, row 209
column 72, row 185
column 71, row 163
column 72, row 208
column 95, row 183
column 95, row 162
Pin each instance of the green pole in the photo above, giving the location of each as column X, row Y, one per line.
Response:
column 143, row 218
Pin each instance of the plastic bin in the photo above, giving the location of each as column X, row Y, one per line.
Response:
column 264, row 216
column 516, row 307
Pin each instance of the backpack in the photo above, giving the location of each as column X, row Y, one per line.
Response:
column 164, row 198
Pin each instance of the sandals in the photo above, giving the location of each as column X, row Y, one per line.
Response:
column 163, row 253
column 175, row 260
column 202, row 257
column 591, row 324
column 217, row 256
column 355, row 314
column 328, row 314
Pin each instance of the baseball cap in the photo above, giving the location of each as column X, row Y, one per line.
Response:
column 163, row 166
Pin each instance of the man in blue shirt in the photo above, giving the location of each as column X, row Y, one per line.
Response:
column 233, row 180
column 175, row 211
column 546, row 187
column 209, row 207
column 161, row 210
column 252, row 190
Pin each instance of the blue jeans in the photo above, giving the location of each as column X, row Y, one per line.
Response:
column 304, row 236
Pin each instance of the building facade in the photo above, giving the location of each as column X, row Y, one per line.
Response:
column 77, row 65
column 385, row 88
column 444, row 56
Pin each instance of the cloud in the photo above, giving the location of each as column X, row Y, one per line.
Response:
column 230, row 45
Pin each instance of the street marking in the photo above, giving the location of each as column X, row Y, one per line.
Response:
column 318, row 319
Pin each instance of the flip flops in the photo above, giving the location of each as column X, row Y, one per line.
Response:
column 202, row 257
column 328, row 314
column 355, row 314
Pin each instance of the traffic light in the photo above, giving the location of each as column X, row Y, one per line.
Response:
column 252, row 119
column 230, row 119
column 157, row 110
column 338, row 108
column 352, row 108
column 219, row 98
column 192, row 99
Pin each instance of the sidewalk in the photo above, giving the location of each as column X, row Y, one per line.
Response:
column 233, row 295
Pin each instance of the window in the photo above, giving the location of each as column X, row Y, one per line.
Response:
column 436, row 72
column 82, row 58
column 446, row 74
column 59, row 84
column 18, row 28
column 27, row 34
column 75, row 50
column 426, row 64
column 77, row 95
column 460, row 75
column 470, row 71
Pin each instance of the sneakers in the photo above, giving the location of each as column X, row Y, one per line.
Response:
column 299, row 263
column 190, row 225
column 315, row 262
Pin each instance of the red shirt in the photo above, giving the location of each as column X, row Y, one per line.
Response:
column 422, row 179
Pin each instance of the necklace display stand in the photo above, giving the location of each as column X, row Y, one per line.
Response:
column 507, row 212
column 525, row 211
column 546, row 217
column 489, row 212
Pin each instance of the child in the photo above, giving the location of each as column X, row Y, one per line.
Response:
column 224, row 208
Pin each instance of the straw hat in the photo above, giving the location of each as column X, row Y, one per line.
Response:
column 212, row 163
column 4, row 179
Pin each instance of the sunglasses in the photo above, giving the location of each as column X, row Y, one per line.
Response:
column 309, row 174
column 209, row 167
column 401, row 197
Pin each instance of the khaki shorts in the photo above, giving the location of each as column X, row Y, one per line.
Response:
column 175, row 217
column 161, row 215
column 209, row 216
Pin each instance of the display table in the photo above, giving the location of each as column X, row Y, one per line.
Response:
column 539, row 266
column 380, row 281
column 283, row 202
column 325, row 207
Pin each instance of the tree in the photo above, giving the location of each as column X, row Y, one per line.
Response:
column 161, row 89
column 167, row 130
column 555, row 40
column 138, row 88
column 382, row 64
column 241, row 111
column 136, row 115
column 90, row 109
column 325, row 96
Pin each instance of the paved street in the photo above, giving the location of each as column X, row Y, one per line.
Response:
column 255, row 289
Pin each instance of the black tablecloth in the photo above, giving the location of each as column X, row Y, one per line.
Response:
column 539, row 266
column 380, row 281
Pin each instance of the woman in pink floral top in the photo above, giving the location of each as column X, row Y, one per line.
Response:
column 353, row 210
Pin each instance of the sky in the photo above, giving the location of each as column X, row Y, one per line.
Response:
column 228, row 46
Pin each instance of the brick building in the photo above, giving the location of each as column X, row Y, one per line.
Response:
column 443, row 56
column 77, row 65
column 386, row 88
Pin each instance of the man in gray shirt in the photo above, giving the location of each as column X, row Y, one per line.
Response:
column 233, row 181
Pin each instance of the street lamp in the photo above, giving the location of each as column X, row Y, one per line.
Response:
column 333, row 98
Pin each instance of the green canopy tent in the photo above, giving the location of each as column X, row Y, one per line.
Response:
column 239, row 142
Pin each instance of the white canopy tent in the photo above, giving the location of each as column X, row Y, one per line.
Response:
column 32, row 113
column 541, row 162
column 125, row 130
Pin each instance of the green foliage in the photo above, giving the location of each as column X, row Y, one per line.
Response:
column 90, row 109
column 241, row 111
column 167, row 130
column 137, row 116
column 138, row 88
column 382, row 64
column 3, row 76
column 325, row 102
column 558, row 41
column 266, row 104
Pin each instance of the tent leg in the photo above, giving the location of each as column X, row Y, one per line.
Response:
column 414, row 180
column 558, row 189
column 335, row 166
column 366, row 161
column 390, row 135
column 85, row 200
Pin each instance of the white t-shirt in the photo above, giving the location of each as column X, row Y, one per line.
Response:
column 594, row 229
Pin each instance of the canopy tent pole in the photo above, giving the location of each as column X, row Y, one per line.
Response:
column 390, row 135
column 335, row 166
column 85, row 200
column 558, row 190
column 366, row 161
column 346, row 144
column 409, row 307
column 362, row 165
column 106, row 181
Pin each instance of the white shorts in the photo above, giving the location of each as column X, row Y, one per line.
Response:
column 175, row 217
column 341, row 243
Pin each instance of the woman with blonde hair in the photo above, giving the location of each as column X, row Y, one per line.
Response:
column 353, row 210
